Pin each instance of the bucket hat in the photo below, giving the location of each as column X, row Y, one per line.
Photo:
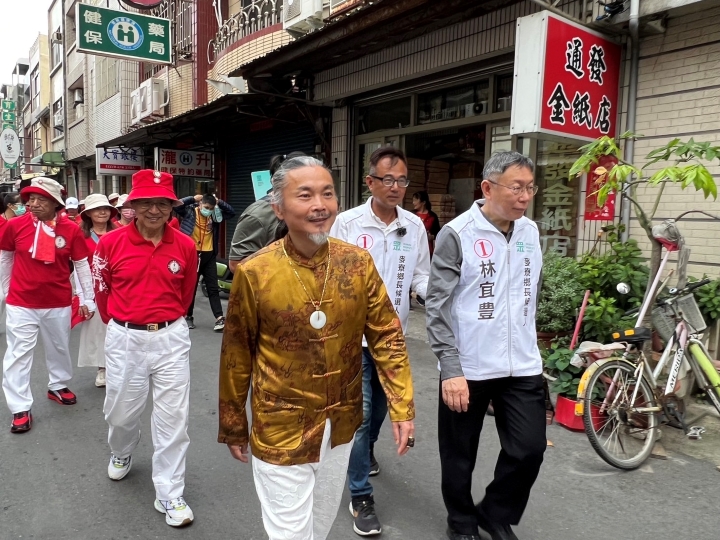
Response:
column 98, row 200
column 121, row 201
column 149, row 184
column 47, row 187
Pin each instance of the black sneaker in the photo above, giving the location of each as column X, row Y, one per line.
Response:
column 190, row 322
column 497, row 531
column 219, row 324
column 366, row 522
column 374, row 465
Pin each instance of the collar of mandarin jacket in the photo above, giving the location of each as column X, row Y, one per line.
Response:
column 319, row 258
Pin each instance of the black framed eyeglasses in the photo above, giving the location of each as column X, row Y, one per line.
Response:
column 388, row 181
column 517, row 190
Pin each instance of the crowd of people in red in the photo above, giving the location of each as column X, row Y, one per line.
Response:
column 64, row 263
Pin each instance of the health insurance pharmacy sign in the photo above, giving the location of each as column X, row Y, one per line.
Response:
column 123, row 34
column 566, row 79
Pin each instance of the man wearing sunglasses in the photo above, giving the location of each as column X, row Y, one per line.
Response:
column 480, row 307
column 397, row 241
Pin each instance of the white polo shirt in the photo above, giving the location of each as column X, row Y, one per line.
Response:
column 400, row 251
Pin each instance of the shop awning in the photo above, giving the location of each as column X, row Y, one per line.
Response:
column 207, row 123
column 370, row 28
column 49, row 159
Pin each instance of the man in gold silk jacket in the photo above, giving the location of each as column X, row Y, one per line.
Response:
column 297, row 313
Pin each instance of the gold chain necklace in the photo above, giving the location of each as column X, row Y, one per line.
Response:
column 318, row 319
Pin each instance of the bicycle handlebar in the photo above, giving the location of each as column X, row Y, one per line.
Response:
column 673, row 292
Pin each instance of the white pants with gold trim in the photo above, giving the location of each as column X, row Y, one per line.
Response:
column 22, row 329
column 135, row 360
column 300, row 502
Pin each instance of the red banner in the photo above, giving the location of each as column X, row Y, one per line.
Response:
column 596, row 179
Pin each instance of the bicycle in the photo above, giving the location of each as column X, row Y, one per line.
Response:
column 620, row 398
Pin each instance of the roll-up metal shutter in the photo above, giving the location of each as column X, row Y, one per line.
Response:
column 252, row 152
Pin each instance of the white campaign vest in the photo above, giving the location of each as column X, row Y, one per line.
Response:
column 395, row 257
column 493, row 309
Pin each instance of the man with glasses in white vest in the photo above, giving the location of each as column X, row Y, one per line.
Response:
column 481, row 304
column 397, row 242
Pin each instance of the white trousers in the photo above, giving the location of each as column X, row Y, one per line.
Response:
column 135, row 360
column 300, row 502
column 22, row 328
column 92, row 342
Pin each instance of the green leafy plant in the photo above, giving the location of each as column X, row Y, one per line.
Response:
column 560, row 295
column 686, row 168
column 557, row 365
column 708, row 299
column 620, row 262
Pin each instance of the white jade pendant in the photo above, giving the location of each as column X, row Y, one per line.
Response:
column 318, row 319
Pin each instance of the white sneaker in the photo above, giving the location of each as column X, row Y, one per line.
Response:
column 177, row 512
column 119, row 467
column 100, row 378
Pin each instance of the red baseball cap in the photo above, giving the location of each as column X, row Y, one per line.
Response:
column 150, row 184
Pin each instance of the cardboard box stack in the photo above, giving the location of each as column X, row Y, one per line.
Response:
column 444, row 206
column 426, row 175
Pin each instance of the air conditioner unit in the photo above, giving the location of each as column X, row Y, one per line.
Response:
column 302, row 16
column 56, row 37
column 78, row 96
column 58, row 120
column 148, row 101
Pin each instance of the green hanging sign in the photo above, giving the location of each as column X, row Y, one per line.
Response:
column 123, row 34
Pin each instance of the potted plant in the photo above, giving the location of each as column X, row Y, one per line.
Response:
column 565, row 378
column 560, row 295
column 618, row 262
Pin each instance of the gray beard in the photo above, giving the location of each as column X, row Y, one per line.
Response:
column 319, row 238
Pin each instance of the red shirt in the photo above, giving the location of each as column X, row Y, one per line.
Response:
column 3, row 221
column 35, row 284
column 174, row 223
column 140, row 283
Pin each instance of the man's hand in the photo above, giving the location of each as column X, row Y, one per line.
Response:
column 401, row 432
column 85, row 312
column 455, row 394
column 198, row 198
column 239, row 452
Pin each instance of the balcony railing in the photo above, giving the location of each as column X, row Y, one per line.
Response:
column 255, row 15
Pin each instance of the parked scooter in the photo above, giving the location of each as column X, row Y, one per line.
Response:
column 225, row 277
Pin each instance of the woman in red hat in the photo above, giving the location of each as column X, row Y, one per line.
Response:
column 96, row 221
column 35, row 252
column 156, row 265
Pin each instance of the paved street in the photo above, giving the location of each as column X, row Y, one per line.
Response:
column 54, row 486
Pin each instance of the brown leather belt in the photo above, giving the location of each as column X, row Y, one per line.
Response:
column 146, row 327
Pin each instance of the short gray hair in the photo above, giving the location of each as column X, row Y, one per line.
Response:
column 502, row 161
column 279, row 179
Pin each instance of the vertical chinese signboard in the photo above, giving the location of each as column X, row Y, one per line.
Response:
column 596, row 178
column 9, row 140
column 184, row 162
column 557, row 202
column 123, row 34
column 566, row 79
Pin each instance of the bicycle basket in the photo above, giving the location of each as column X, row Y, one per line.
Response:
column 664, row 322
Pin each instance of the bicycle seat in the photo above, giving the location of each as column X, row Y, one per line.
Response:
column 635, row 335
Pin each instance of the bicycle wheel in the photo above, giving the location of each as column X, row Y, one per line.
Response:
column 622, row 435
column 705, row 373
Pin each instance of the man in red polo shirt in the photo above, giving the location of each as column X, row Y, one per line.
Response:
column 35, row 251
column 148, row 338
